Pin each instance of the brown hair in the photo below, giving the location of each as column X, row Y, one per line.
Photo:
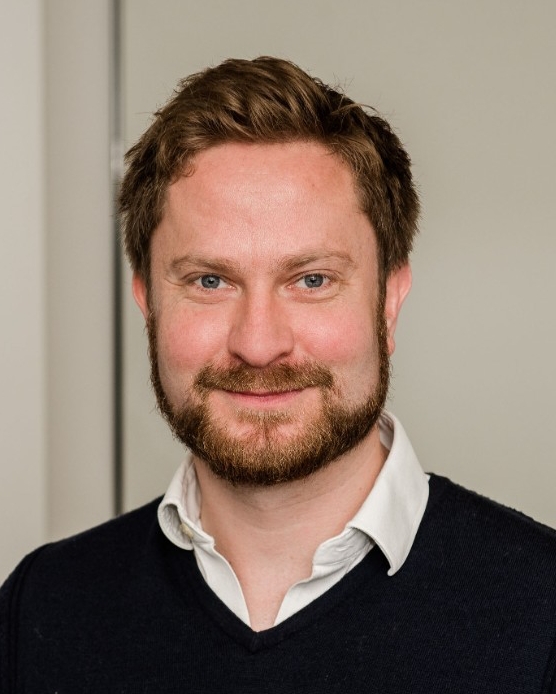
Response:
column 268, row 100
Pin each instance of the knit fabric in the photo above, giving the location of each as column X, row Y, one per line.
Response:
column 121, row 609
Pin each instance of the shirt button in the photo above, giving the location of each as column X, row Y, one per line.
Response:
column 186, row 530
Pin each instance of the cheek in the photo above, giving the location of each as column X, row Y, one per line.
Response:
column 345, row 341
column 187, row 341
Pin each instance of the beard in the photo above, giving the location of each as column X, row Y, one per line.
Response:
column 264, row 456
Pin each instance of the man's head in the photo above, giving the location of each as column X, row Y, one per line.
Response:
column 265, row 101
column 270, row 295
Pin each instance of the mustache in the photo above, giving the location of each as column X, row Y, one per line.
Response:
column 278, row 378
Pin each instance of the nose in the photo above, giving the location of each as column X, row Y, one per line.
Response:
column 261, row 332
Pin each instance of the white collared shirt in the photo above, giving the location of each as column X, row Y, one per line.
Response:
column 389, row 517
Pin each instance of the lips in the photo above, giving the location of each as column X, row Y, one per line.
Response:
column 258, row 399
column 263, row 393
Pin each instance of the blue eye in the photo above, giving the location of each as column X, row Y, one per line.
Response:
column 210, row 281
column 313, row 281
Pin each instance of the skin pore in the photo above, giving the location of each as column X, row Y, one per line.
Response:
column 270, row 341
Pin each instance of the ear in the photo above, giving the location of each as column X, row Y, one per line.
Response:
column 398, row 285
column 140, row 294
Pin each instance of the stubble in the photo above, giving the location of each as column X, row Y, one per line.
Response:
column 265, row 456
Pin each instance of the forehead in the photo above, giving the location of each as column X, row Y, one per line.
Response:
column 268, row 198
column 269, row 169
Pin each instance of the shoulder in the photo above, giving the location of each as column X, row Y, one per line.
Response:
column 486, row 567
column 474, row 507
column 473, row 527
column 75, row 583
column 113, row 540
column 93, row 556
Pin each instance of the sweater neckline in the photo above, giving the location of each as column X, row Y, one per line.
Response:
column 195, row 592
column 374, row 568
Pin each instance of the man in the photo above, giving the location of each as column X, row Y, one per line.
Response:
column 300, row 547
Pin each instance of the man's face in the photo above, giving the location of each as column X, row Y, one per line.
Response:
column 269, row 337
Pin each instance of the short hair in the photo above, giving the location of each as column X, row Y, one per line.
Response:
column 268, row 100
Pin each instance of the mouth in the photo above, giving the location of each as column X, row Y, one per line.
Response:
column 263, row 398
column 264, row 393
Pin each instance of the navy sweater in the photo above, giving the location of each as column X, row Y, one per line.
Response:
column 121, row 609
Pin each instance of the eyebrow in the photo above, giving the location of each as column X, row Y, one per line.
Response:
column 287, row 263
column 295, row 262
column 215, row 265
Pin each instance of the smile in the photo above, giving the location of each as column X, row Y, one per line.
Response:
column 266, row 398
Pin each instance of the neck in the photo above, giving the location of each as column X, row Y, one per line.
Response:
column 269, row 535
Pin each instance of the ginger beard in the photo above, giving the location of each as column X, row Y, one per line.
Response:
column 264, row 457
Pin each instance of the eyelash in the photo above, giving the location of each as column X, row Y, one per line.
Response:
column 326, row 281
column 198, row 281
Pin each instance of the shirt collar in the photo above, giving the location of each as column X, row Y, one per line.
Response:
column 389, row 516
column 394, row 508
column 180, row 509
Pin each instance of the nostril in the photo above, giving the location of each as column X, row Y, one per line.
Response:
column 260, row 335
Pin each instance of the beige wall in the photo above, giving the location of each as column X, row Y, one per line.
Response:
column 79, row 267
column 468, row 85
column 470, row 88
column 55, row 272
column 22, row 278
